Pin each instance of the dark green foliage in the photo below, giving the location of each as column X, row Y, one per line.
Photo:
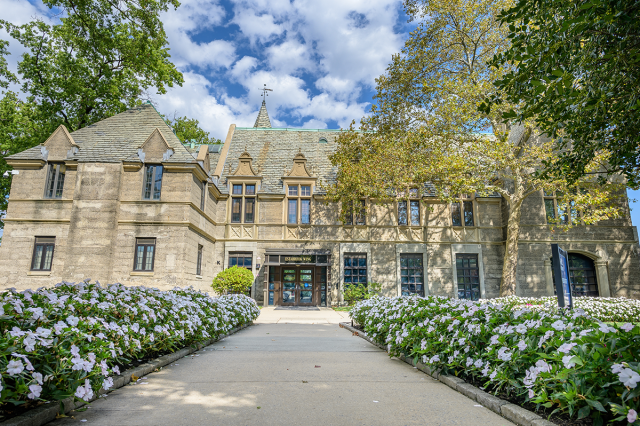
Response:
column 188, row 130
column 575, row 68
column 232, row 280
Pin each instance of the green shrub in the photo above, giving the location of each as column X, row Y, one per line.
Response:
column 353, row 293
column 232, row 280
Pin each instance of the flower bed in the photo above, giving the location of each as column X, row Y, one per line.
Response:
column 69, row 340
column 573, row 365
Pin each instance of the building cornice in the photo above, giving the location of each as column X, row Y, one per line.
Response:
column 26, row 164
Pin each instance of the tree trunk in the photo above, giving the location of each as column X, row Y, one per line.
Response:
column 510, row 262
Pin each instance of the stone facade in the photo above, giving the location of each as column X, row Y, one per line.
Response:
column 101, row 213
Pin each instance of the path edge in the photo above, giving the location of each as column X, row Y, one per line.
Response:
column 48, row 412
column 512, row 412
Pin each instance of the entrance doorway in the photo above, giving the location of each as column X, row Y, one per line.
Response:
column 298, row 286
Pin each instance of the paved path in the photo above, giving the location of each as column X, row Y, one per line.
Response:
column 291, row 368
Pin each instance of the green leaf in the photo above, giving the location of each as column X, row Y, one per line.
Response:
column 584, row 412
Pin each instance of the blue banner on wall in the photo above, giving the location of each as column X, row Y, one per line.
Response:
column 561, row 277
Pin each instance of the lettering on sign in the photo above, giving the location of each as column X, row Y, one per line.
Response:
column 299, row 259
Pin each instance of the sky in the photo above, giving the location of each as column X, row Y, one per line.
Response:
column 320, row 58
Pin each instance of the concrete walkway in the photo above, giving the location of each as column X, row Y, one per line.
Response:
column 293, row 367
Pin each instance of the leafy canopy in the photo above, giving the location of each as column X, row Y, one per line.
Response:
column 234, row 280
column 574, row 68
column 188, row 129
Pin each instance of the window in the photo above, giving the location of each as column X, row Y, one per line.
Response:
column 553, row 205
column 203, row 197
column 199, row 261
column 582, row 275
column 152, row 182
column 412, row 216
column 43, row 253
column 299, row 204
column 55, row 181
column 356, row 216
column 241, row 260
column 411, row 275
column 145, row 254
column 468, row 273
column 462, row 211
column 355, row 269
column 247, row 199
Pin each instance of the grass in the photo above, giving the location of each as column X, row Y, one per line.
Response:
column 341, row 308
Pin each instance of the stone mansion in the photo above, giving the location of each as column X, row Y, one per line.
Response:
column 123, row 200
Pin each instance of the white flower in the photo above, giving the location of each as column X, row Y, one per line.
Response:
column 543, row 367
column 59, row 327
column 75, row 351
column 531, row 393
column 15, row 367
column 632, row 416
column 35, row 391
column 43, row 332
column 469, row 361
column 494, row 339
column 73, row 321
column 607, row 329
column 521, row 328
column 566, row 348
column 559, row 325
column 627, row 327
column 617, row 368
column 522, row 345
column 107, row 383
column 37, row 377
column 567, row 361
column 478, row 363
column 629, row 378
column 503, row 354
column 493, row 375
column 435, row 358
column 16, row 332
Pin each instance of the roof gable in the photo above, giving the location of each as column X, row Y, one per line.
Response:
column 60, row 145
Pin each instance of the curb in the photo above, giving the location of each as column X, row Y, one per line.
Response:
column 512, row 412
column 48, row 412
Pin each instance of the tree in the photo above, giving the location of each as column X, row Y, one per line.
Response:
column 234, row 279
column 188, row 129
column 574, row 68
column 423, row 135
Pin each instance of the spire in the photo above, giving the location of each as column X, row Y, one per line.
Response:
column 263, row 117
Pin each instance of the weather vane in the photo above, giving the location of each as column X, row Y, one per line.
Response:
column 264, row 93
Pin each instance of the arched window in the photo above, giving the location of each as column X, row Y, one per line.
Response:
column 582, row 274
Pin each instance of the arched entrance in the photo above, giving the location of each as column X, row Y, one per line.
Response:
column 582, row 274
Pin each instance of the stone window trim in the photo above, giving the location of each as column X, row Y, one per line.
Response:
column 357, row 217
column 464, row 211
column 364, row 248
column 152, row 182
column 199, row 260
column 297, row 203
column 144, row 255
column 353, row 266
column 412, row 249
column 243, row 194
column 203, row 195
column 42, row 258
column 55, row 181
column 600, row 262
column 467, row 249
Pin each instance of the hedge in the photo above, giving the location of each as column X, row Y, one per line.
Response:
column 71, row 339
column 573, row 364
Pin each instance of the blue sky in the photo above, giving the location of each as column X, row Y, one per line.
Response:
column 320, row 58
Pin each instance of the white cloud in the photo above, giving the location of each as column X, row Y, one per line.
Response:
column 314, row 124
column 257, row 27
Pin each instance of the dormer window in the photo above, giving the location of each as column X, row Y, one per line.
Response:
column 409, row 209
column 152, row 182
column 243, row 195
column 299, row 204
column 55, row 180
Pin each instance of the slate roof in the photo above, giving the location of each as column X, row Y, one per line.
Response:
column 273, row 150
column 117, row 138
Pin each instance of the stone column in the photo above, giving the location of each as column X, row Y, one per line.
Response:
column 548, row 275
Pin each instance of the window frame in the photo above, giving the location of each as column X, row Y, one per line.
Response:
column 54, row 171
column 244, row 255
column 409, row 203
column 243, row 198
column 415, row 268
column 44, row 245
column 352, row 217
column 152, row 192
column 199, row 260
column 352, row 268
column 295, row 193
column 571, row 218
column 145, row 253
column 475, row 256
column 461, row 200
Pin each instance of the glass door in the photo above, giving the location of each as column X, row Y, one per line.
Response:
column 305, row 285
column 289, row 276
